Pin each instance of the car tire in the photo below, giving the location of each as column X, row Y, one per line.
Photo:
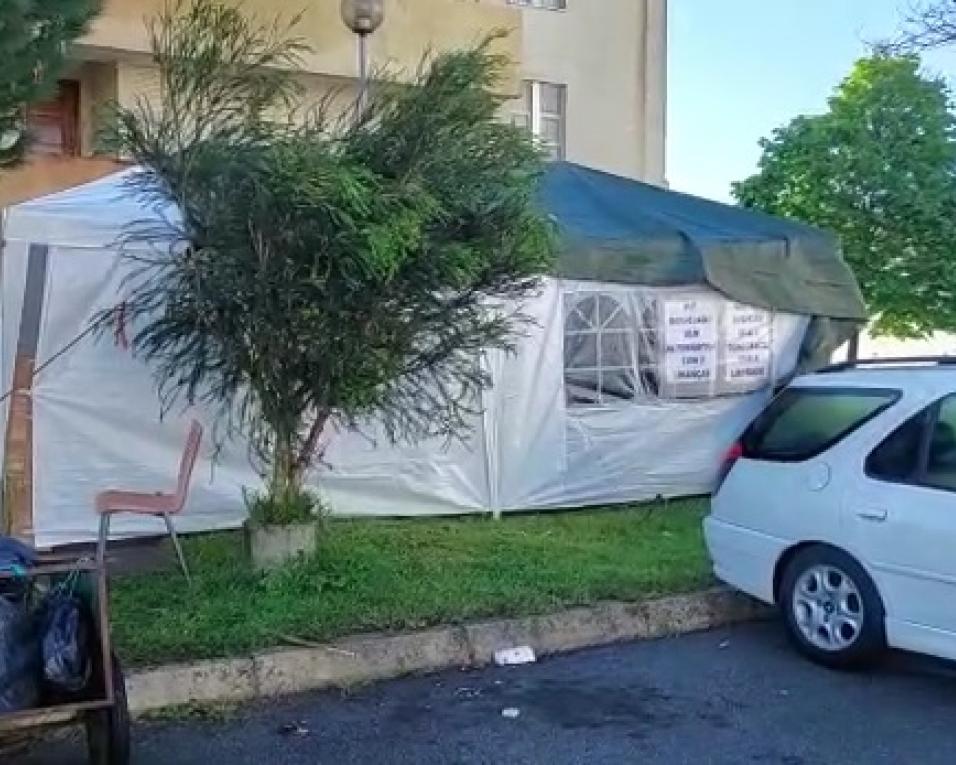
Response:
column 833, row 612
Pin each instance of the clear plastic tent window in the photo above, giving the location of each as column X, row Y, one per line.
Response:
column 599, row 359
column 621, row 346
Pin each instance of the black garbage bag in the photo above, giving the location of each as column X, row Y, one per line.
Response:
column 19, row 658
column 65, row 639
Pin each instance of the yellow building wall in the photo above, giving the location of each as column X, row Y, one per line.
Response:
column 113, row 64
column 411, row 28
column 138, row 83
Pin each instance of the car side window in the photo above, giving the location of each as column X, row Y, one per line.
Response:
column 941, row 455
column 897, row 458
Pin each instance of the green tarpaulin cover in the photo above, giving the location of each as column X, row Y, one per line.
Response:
column 619, row 230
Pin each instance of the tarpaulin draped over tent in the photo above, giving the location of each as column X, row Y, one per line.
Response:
column 614, row 229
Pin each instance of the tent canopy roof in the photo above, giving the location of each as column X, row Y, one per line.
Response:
column 94, row 214
column 613, row 229
column 616, row 229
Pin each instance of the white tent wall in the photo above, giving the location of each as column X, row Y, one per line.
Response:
column 551, row 454
column 367, row 476
column 96, row 417
column 13, row 274
column 97, row 425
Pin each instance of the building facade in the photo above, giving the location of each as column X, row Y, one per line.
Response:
column 589, row 76
column 595, row 81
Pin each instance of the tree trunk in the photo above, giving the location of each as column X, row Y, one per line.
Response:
column 286, row 478
column 290, row 463
column 308, row 451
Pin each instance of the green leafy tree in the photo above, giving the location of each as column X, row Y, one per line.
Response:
column 878, row 169
column 34, row 35
column 328, row 269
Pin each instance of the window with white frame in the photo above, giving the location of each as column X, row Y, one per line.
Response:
column 543, row 112
column 599, row 355
column 521, row 114
column 551, row 5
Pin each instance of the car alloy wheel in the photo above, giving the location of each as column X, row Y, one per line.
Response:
column 828, row 607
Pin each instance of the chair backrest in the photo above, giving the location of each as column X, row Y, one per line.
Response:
column 188, row 462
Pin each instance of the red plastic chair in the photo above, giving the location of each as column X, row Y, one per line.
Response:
column 157, row 504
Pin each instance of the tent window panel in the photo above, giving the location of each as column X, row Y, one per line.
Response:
column 691, row 345
column 581, row 350
column 582, row 387
column 599, row 361
column 618, row 384
column 616, row 349
column 612, row 315
column 649, row 348
column 576, row 322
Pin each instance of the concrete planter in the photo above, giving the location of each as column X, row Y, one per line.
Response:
column 272, row 547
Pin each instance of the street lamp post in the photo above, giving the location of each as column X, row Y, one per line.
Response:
column 363, row 17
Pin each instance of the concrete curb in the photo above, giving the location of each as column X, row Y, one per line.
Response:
column 362, row 659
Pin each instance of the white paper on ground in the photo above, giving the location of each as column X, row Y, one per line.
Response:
column 521, row 654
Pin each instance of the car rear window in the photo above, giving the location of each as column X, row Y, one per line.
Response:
column 801, row 423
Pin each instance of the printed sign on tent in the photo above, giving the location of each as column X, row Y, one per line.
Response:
column 747, row 351
column 690, row 341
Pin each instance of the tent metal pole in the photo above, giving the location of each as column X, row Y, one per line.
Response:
column 772, row 363
column 4, row 407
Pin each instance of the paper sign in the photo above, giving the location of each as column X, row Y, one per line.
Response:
column 747, row 350
column 690, row 341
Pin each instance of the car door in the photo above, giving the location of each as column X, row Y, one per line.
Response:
column 902, row 519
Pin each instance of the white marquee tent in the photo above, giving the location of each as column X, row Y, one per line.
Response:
column 622, row 391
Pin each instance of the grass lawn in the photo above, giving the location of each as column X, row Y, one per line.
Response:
column 392, row 575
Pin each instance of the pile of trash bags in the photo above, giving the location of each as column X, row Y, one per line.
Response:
column 45, row 637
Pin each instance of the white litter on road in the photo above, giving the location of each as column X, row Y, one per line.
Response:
column 510, row 713
column 522, row 654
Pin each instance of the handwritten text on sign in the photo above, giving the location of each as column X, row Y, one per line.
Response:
column 747, row 359
column 690, row 341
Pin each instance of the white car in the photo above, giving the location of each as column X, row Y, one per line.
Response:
column 838, row 504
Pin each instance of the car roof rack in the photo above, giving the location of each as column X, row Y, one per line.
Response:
column 890, row 361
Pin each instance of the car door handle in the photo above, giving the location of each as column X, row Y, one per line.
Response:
column 877, row 516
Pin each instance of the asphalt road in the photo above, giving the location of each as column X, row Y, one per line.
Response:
column 731, row 696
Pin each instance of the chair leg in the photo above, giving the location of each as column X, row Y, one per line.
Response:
column 179, row 549
column 102, row 540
